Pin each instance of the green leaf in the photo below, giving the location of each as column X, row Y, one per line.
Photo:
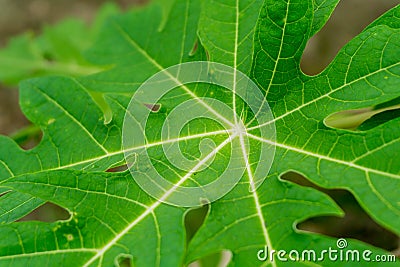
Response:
column 57, row 50
column 23, row 203
column 379, row 119
column 237, row 24
column 338, row 88
column 322, row 11
column 329, row 157
column 140, row 54
column 113, row 219
column 58, row 111
column 97, row 236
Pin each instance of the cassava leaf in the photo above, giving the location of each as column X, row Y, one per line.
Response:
column 113, row 219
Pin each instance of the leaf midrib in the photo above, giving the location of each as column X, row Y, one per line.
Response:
column 136, row 46
column 117, row 153
column 58, row 251
column 319, row 156
column 158, row 202
column 323, row 96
